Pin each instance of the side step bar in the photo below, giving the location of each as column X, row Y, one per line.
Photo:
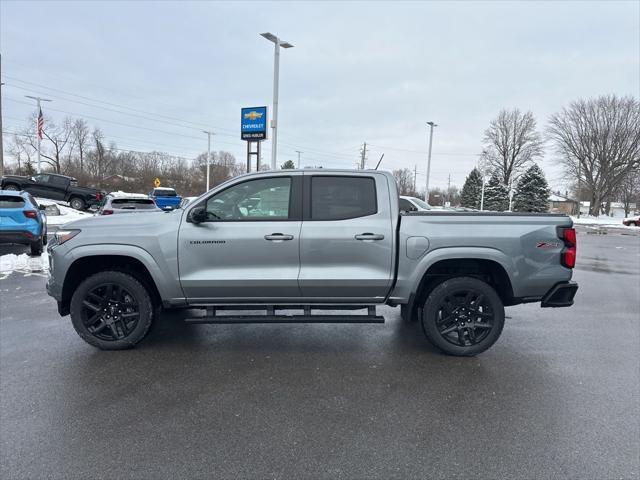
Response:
column 212, row 315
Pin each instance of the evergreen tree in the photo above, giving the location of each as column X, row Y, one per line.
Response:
column 472, row 190
column 496, row 195
column 287, row 165
column 532, row 191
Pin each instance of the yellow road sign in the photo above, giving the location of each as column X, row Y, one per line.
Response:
column 157, row 182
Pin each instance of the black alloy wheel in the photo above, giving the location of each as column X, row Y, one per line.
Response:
column 462, row 316
column 110, row 312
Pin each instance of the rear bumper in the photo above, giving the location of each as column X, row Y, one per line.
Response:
column 560, row 295
column 20, row 237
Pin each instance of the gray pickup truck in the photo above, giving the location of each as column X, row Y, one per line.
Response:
column 310, row 246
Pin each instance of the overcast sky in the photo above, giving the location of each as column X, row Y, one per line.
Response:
column 359, row 71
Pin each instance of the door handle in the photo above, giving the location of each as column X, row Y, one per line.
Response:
column 278, row 237
column 370, row 236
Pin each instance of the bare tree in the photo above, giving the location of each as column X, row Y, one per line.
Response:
column 510, row 142
column 599, row 141
column 80, row 131
column 628, row 191
column 404, row 179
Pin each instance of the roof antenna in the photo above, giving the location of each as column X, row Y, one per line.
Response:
column 379, row 162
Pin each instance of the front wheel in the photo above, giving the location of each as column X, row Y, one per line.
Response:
column 111, row 310
column 463, row 316
column 11, row 187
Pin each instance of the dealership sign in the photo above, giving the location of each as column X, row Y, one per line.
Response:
column 253, row 124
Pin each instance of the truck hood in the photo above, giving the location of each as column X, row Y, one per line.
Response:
column 130, row 222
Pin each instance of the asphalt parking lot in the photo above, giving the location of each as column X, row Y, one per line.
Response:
column 557, row 397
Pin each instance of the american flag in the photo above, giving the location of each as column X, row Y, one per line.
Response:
column 40, row 124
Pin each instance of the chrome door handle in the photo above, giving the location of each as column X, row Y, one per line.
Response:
column 370, row 236
column 275, row 237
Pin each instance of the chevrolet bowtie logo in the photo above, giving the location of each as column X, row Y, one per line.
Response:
column 253, row 115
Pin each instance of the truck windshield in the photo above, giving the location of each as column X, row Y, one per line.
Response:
column 421, row 203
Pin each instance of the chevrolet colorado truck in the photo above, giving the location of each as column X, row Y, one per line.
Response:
column 54, row 187
column 299, row 246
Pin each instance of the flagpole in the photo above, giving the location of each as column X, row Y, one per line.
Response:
column 38, row 131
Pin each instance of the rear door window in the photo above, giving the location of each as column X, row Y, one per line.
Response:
column 10, row 201
column 340, row 198
column 58, row 181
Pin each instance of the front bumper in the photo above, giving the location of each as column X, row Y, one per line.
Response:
column 560, row 295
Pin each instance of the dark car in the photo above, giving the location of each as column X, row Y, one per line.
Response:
column 22, row 220
column 54, row 187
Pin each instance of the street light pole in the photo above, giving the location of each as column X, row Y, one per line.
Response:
column 298, row 152
column 38, row 100
column 426, row 193
column 277, row 42
column 208, row 154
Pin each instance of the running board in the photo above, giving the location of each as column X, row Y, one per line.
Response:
column 212, row 315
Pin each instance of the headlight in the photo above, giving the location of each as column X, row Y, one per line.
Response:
column 62, row 236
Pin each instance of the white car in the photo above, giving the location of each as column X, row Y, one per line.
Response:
column 123, row 202
column 413, row 204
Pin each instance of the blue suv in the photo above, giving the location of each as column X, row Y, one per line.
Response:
column 22, row 220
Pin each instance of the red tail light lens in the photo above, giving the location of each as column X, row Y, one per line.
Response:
column 107, row 212
column 31, row 214
column 98, row 196
column 570, row 250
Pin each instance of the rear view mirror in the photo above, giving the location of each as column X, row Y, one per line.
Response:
column 198, row 215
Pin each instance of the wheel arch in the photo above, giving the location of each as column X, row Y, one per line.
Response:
column 489, row 270
column 84, row 266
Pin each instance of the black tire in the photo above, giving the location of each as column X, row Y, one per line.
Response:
column 77, row 203
column 111, row 310
column 37, row 247
column 462, row 316
column 11, row 187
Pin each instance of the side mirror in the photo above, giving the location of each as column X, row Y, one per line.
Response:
column 42, row 207
column 32, row 179
column 413, row 208
column 198, row 215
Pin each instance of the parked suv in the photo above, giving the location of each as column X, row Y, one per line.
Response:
column 121, row 202
column 22, row 220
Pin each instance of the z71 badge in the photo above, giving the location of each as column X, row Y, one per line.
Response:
column 548, row 245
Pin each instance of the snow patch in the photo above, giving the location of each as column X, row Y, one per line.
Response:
column 601, row 221
column 24, row 263
column 67, row 214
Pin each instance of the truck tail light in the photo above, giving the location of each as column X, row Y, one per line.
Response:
column 570, row 247
column 107, row 212
column 31, row 214
column 98, row 196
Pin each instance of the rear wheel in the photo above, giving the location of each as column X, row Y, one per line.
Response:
column 111, row 310
column 463, row 316
column 77, row 203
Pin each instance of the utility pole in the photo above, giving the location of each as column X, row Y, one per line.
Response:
column 426, row 193
column 415, row 178
column 449, row 189
column 276, row 77
column 363, row 155
column 209, row 134
column 38, row 100
column 298, row 152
